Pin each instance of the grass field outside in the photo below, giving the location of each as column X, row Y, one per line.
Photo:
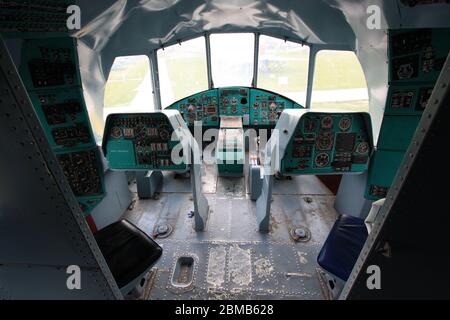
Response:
column 335, row 70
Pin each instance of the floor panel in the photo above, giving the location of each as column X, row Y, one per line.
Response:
column 232, row 260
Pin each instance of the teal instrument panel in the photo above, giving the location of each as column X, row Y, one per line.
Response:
column 257, row 107
column 266, row 107
column 329, row 143
column 417, row 54
column 49, row 70
column 140, row 141
column 202, row 107
column 63, row 117
column 416, row 58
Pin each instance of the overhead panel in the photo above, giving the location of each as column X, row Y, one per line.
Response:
column 34, row 19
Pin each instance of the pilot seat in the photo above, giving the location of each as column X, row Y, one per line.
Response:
column 129, row 253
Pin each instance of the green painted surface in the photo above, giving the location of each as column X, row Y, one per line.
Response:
column 383, row 168
column 396, row 132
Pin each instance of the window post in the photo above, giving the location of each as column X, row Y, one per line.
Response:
column 255, row 61
column 155, row 79
column 208, row 61
column 311, row 66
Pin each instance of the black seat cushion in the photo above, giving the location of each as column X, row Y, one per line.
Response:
column 343, row 245
column 127, row 250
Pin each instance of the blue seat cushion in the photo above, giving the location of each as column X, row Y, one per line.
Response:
column 343, row 245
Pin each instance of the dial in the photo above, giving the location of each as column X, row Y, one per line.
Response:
column 164, row 134
column 345, row 123
column 116, row 132
column 324, row 140
column 322, row 160
column 362, row 147
column 191, row 108
column 310, row 124
column 140, row 132
column 272, row 106
column 327, row 122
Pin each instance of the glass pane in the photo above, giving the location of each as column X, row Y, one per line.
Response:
column 339, row 82
column 232, row 59
column 182, row 70
column 129, row 86
column 283, row 68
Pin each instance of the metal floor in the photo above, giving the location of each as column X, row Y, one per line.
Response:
column 232, row 260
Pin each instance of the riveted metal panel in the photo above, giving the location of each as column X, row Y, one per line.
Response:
column 42, row 227
column 414, row 220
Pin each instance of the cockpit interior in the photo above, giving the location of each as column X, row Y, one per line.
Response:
column 224, row 150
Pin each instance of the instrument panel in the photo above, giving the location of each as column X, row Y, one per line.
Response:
column 328, row 143
column 141, row 141
column 417, row 55
column 257, row 107
column 49, row 69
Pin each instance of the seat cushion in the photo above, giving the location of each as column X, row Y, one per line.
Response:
column 127, row 250
column 343, row 245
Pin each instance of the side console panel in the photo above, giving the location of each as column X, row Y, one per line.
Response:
column 141, row 141
column 49, row 70
column 416, row 58
column 325, row 143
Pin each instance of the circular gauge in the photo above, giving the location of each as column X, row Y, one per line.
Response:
column 255, row 122
column 322, row 160
column 310, row 124
column 345, row 123
column 140, row 132
column 362, row 147
column 327, row 122
column 272, row 106
column 116, row 132
column 273, row 116
column 264, row 113
column 324, row 141
column 256, row 105
column 191, row 108
column 163, row 134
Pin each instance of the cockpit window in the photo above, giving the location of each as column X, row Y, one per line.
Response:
column 182, row 70
column 283, row 67
column 339, row 82
column 232, row 57
column 129, row 86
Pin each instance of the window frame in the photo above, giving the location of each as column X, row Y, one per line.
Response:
column 154, row 64
column 314, row 49
column 311, row 63
column 151, row 75
column 317, row 50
